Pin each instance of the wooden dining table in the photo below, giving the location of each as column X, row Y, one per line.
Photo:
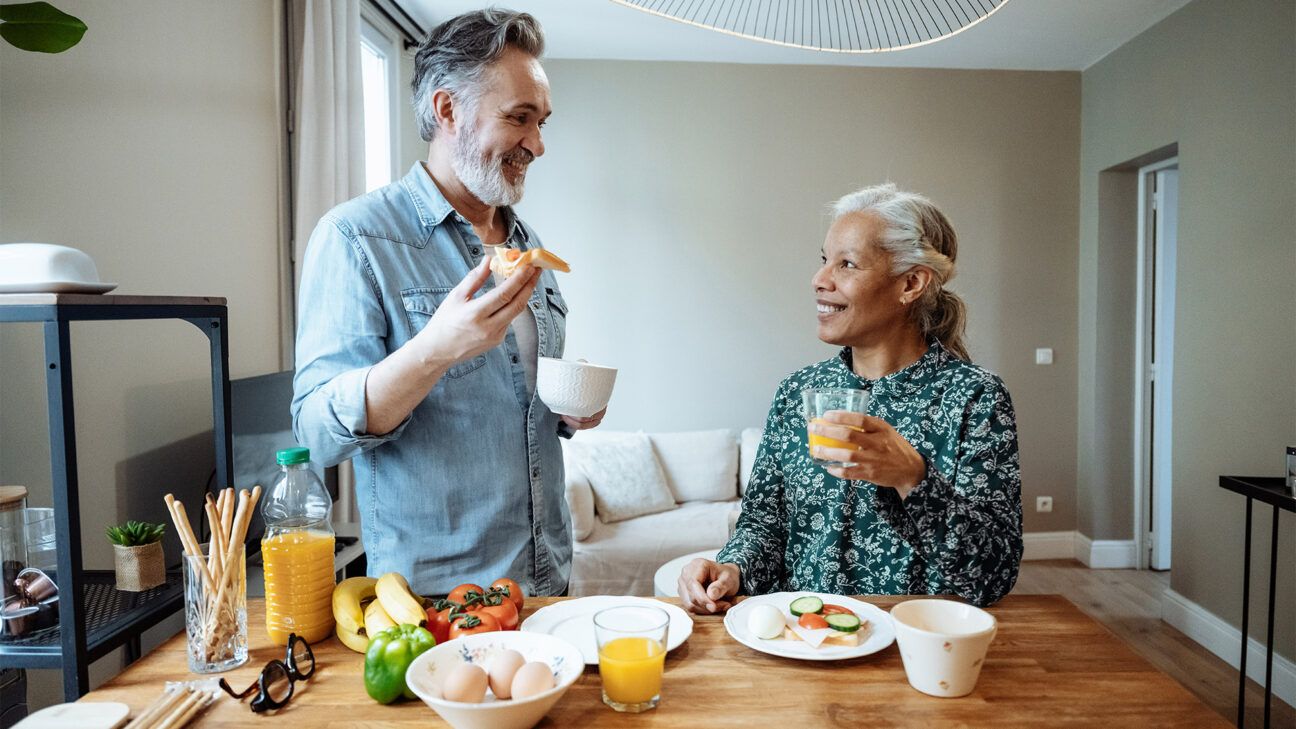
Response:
column 1049, row 665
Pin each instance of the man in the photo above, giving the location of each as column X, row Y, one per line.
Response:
column 415, row 362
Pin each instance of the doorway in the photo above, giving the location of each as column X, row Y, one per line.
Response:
column 1158, row 216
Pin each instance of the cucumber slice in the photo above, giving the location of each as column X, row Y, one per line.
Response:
column 807, row 604
column 843, row 622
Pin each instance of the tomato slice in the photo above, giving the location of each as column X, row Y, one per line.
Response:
column 835, row 610
column 812, row 621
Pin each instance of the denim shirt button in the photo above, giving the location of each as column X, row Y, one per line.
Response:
column 513, row 358
column 476, row 251
column 535, row 473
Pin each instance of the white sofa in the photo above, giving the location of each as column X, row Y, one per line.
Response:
column 705, row 474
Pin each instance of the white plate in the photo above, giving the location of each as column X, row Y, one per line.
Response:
column 573, row 621
column 56, row 287
column 881, row 631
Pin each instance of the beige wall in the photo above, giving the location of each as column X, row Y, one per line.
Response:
column 151, row 146
column 690, row 198
column 1217, row 78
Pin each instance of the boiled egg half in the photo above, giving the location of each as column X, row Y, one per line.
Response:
column 765, row 622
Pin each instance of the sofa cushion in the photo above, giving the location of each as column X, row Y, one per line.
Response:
column 580, row 500
column 622, row 558
column 700, row 465
column 623, row 473
column 749, row 443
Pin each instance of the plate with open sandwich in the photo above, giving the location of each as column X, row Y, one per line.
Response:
column 810, row 626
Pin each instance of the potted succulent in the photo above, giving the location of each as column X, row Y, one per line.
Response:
column 137, row 555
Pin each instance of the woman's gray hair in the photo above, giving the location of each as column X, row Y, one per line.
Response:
column 457, row 53
column 916, row 233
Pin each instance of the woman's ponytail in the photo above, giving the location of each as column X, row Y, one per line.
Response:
column 945, row 321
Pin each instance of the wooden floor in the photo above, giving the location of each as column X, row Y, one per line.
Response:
column 1128, row 602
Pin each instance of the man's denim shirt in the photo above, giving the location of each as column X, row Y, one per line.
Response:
column 470, row 487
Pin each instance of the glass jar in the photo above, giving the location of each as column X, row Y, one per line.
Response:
column 14, row 618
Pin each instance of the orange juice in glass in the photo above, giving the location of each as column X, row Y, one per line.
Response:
column 819, row 401
column 632, row 655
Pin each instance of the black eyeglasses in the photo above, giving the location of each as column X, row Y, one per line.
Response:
column 274, row 687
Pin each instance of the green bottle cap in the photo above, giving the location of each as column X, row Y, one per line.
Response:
column 290, row 456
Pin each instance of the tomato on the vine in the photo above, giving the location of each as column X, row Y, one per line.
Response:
column 512, row 589
column 439, row 619
column 473, row 623
column 501, row 608
column 464, row 593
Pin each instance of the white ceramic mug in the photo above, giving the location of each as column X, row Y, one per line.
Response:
column 943, row 644
column 578, row 389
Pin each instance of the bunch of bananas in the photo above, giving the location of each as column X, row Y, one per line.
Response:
column 365, row 606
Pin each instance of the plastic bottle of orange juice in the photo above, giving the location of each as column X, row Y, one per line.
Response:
column 297, row 550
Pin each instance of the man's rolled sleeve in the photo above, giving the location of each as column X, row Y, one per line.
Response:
column 341, row 334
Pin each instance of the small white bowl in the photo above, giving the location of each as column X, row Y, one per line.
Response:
column 427, row 672
column 579, row 389
column 943, row 644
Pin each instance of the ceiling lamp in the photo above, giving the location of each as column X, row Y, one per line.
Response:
column 841, row 26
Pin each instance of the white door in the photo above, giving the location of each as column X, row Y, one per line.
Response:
column 1159, row 214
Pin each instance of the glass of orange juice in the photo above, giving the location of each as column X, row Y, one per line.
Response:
column 632, row 655
column 820, row 400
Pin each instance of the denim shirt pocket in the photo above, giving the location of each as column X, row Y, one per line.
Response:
column 558, row 320
column 420, row 304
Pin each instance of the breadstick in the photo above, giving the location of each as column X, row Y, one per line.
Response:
column 181, row 526
column 214, row 545
column 191, row 697
column 241, row 520
column 227, row 512
column 200, row 704
column 161, row 705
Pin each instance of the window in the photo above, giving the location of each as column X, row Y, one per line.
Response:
column 379, row 65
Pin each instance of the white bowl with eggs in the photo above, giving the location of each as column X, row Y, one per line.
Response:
column 442, row 673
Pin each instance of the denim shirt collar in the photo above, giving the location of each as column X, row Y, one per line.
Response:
column 433, row 208
column 905, row 381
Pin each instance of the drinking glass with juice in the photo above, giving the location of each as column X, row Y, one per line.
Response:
column 632, row 655
column 297, row 551
column 817, row 402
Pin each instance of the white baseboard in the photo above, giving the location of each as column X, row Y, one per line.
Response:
column 1048, row 545
column 1222, row 639
column 1106, row 554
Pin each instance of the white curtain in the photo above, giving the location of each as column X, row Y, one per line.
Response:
column 328, row 113
column 328, row 138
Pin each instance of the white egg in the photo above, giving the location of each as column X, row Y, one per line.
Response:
column 531, row 679
column 502, row 669
column 765, row 621
column 466, row 683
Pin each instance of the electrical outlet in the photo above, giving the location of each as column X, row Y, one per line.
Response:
column 1044, row 504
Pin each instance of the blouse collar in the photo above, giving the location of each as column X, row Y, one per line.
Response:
column 906, row 381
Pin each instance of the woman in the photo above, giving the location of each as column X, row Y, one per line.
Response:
column 931, row 500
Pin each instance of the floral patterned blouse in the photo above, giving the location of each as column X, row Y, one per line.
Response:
column 959, row 530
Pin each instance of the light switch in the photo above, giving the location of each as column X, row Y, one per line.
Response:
column 1044, row 356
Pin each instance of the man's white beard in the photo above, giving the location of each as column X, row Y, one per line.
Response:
column 482, row 174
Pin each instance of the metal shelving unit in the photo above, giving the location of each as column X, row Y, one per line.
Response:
column 103, row 618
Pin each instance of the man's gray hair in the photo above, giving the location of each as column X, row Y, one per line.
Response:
column 457, row 53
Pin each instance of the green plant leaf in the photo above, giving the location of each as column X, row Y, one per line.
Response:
column 136, row 533
column 39, row 27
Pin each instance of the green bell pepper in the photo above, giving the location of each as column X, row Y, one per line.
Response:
column 390, row 653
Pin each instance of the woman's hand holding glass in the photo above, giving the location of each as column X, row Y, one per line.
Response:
column 880, row 455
